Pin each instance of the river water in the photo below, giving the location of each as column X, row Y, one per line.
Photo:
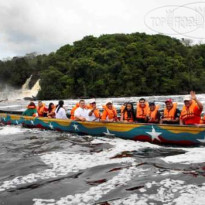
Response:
column 47, row 167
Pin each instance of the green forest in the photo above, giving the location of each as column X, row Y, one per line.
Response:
column 112, row 65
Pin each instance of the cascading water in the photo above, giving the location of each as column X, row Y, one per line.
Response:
column 35, row 89
column 29, row 93
column 25, row 86
column 10, row 93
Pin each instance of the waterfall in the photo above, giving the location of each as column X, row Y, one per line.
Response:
column 25, row 86
column 29, row 93
column 35, row 89
column 14, row 94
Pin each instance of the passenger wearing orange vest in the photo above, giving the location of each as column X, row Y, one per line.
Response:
column 191, row 111
column 42, row 109
column 171, row 114
column 127, row 114
column 122, row 108
column 153, row 115
column 73, row 111
column 94, row 114
column 142, row 110
column 202, row 121
column 109, row 113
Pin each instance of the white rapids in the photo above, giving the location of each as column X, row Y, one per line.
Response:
column 170, row 191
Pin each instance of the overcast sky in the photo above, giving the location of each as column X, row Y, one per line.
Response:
column 43, row 26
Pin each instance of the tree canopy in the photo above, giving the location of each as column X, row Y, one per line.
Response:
column 112, row 65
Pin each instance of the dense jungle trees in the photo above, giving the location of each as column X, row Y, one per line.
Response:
column 112, row 65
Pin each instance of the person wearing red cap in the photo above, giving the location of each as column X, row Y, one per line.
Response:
column 191, row 111
column 171, row 114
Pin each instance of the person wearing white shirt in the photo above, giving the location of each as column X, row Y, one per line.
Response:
column 82, row 113
column 60, row 111
column 94, row 113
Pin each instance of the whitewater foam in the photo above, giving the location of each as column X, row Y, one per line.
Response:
column 95, row 193
column 192, row 155
column 11, row 130
column 63, row 163
column 170, row 192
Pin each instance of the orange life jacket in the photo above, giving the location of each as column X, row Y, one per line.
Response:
column 89, row 106
column 73, row 111
column 153, row 114
column 122, row 108
column 109, row 113
column 142, row 112
column 31, row 107
column 202, row 121
column 41, row 110
column 96, row 111
column 170, row 114
column 189, row 114
column 125, row 117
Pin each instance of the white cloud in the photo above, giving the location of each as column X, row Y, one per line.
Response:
column 44, row 26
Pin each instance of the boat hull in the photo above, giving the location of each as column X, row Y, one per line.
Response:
column 154, row 133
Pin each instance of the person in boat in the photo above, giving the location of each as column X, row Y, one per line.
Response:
column 127, row 114
column 60, row 111
column 42, row 109
column 51, row 111
column 72, row 117
column 81, row 113
column 31, row 110
column 142, row 110
column 171, row 113
column 122, row 108
column 109, row 113
column 191, row 111
column 94, row 113
column 202, row 121
column 153, row 115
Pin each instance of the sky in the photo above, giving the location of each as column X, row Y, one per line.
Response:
column 43, row 26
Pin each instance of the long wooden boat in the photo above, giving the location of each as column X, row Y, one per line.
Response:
column 154, row 133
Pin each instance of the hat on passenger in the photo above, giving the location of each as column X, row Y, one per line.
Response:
column 187, row 98
column 151, row 103
column 108, row 101
column 92, row 101
column 168, row 100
